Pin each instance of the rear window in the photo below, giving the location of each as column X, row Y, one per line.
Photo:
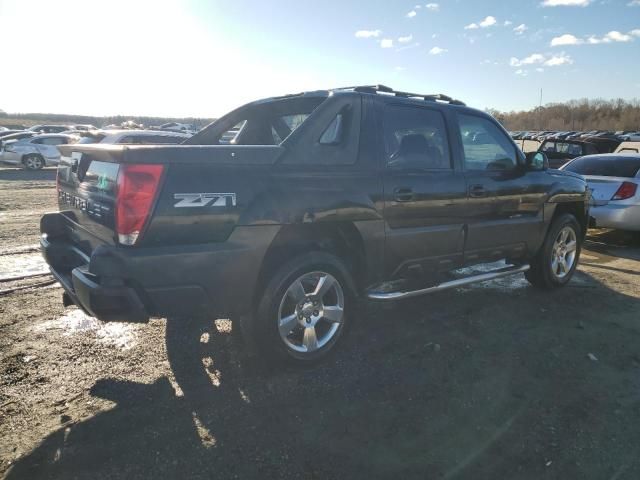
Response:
column 263, row 123
column 605, row 166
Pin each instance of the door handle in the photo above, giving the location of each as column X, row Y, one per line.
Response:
column 477, row 191
column 403, row 194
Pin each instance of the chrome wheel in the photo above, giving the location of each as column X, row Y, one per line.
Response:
column 33, row 162
column 563, row 254
column 311, row 312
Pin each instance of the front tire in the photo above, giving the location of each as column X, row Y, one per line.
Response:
column 304, row 309
column 556, row 262
column 33, row 162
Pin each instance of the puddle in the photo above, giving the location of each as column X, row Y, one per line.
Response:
column 22, row 264
column 120, row 335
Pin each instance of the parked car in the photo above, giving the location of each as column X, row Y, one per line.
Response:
column 321, row 198
column 8, row 131
column 49, row 128
column 177, row 127
column 19, row 135
column 560, row 152
column 35, row 152
column 133, row 137
column 628, row 147
column 613, row 179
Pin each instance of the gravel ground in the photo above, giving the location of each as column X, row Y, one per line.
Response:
column 492, row 381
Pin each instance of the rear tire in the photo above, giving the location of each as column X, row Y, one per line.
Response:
column 33, row 161
column 556, row 261
column 304, row 309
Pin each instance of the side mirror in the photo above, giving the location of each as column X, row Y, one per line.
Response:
column 536, row 161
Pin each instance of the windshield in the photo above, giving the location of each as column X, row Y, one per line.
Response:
column 601, row 166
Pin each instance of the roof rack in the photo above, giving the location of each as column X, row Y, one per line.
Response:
column 439, row 97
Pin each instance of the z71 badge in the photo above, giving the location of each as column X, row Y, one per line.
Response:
column 205, row 199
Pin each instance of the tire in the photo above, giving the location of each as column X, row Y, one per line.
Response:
column 292, row 324
column 556, row 261
column 33, row 161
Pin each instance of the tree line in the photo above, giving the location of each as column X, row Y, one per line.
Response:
column 61, row 118
column 579, row 115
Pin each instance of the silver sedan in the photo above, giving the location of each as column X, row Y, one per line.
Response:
column 35, row 152
column 614, row 181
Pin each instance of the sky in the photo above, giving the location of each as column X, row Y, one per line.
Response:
column 203, row 58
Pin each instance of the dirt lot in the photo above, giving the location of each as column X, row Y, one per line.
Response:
column 494, row 381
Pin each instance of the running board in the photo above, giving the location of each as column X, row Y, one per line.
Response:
column 503, row 272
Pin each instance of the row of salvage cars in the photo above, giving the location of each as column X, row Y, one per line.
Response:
column 33, row 150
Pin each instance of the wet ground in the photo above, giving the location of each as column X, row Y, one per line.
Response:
column 496, row 380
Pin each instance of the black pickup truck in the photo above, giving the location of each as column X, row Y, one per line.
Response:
column 287, row 210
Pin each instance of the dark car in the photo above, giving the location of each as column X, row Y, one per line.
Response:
column 560, row 152
column 321, row 198
column 49, row 128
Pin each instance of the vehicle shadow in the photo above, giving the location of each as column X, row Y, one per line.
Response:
column 491, row 381
column 20, row 174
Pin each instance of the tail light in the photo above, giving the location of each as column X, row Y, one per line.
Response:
column 626, row 190
column 136, row 191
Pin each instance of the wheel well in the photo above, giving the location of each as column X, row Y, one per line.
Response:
column 24, row 157
column 577, row 210
column 340, row 239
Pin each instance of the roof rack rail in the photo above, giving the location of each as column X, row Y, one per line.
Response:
column 438, row 97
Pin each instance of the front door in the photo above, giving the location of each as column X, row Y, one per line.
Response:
column 505, row 210
column 424, row 194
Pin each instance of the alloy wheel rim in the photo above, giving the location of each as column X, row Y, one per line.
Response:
column 311, row 312
column 563, row 253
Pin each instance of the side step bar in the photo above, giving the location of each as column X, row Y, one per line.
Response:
column 503, row 272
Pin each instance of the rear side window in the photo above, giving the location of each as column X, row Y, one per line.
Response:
column 415, row 138
column 605, row 166
column 485, row 146
column 50, row 141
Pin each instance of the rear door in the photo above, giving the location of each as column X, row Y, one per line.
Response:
column 505, row 210
column 424, row 192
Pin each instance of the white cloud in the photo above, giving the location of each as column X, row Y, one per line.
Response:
column 566, row 39
column 435, row 35
column 540, row 69
column 558, row 60
column 368, row 33
column 612, row 36
column 521, row 72
column 386, row 43
column 406, row 39
column 411, row 14
column 489, row 21
column 434, row 7
column 634, row 3
column 437, row 51
column 541, row 59
column 520, row 29
column 507, row 23
column 531, row 59
column 565, row 3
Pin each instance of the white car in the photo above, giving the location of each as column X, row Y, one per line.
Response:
column 134, row 137
column 178, row 127
column 35, row 152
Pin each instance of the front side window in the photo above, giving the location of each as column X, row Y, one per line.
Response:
column 415, row 138
column 485, row 146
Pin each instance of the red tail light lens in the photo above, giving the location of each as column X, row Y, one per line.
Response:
column 137, row 190
column 626, row 190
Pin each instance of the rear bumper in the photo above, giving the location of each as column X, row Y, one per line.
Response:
column 130, row 284
column 622, row 217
